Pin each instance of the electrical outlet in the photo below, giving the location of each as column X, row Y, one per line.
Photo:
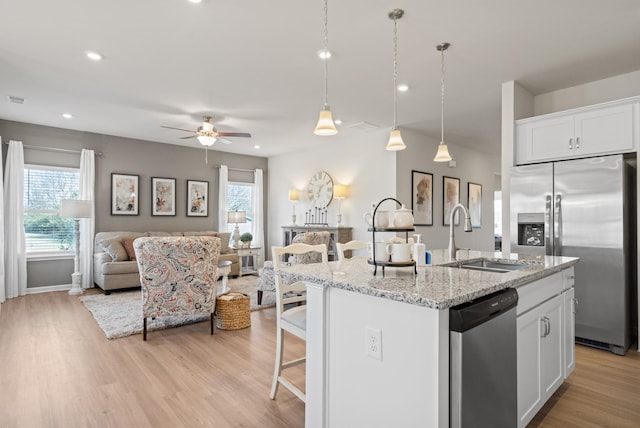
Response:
column 373, row 343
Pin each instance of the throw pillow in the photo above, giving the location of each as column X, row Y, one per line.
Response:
column 115, row 249
column 224, row 242
column 127, row 243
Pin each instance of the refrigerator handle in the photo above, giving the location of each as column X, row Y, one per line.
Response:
column 557, row 226
column 547, row 226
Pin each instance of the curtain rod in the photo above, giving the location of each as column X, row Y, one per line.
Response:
column 237, row 169
column 53, row 149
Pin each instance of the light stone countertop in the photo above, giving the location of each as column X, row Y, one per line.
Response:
column 437, row 286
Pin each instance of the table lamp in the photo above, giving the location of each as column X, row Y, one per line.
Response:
column 294, row 196
column 340, row 192
column 76, row 209
column 236, row 217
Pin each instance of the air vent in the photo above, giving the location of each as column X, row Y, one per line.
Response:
column 363, row 126
column 16, row 100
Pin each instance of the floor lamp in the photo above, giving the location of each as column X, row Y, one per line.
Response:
column 76, row 209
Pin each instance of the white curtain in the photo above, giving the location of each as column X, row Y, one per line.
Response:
column 223, row 183
column 15, row 259
column 2, row 292
column 258, row 214
column 87, row 225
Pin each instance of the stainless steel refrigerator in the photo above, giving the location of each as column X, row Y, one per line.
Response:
column 584, row 208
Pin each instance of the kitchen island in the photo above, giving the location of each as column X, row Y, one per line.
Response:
column 404, row 380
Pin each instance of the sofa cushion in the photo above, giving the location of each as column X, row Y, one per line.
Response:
column 127, row 243
column 158, row 234
column 116, row 268
column 224, row 238
column 115, row 249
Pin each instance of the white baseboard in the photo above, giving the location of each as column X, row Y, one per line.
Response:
column 48, row 288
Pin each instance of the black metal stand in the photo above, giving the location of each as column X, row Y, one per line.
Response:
column 374, row 229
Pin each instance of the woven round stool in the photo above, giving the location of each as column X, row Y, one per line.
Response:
column 233, row 311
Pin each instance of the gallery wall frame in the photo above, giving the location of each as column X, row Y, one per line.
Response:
column 124, row 194
column 163, row 196
column 474, row 194
column 197, row 198
column 450, row 197
column 422, row 198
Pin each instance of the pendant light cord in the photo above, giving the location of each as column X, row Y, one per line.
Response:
column 442, row 96
column 326, row 53
column 395, row 73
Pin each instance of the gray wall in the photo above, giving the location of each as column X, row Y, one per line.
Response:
column 128, row 156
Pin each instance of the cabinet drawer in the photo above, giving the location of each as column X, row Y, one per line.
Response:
column 568, row 278
column 532, row 294
column 249, row 252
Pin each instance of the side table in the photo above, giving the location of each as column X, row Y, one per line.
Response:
column 224, row 268
column 244, row 254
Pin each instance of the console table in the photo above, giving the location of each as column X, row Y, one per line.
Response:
column 337, row 234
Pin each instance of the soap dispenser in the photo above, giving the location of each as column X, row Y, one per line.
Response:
column 419, row 250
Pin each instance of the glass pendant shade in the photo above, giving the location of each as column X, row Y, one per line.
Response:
column 206, row 140
column 443, row 153
column 395, row 141
column 325, row 124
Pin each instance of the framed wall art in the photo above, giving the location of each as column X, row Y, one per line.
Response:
column 197, row 198
column 450, row 197
column 124, row 194
column 475, row 204
column 163, row 196
column 422, row 198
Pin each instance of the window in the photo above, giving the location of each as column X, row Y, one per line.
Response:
column 240, row 198
column 44, row 187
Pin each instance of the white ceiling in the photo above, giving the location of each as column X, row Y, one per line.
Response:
column 252, row 64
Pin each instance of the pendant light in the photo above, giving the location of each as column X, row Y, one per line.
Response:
column 395, row 139
column 325, row 124
column 443, row 153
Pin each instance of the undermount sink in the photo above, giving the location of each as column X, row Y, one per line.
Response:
column 497, row 266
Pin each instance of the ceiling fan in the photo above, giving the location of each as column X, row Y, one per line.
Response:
column 207, row 134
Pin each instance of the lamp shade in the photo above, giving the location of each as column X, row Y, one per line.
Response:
column 325, row 124
column 294, row 195
column 236, row 217
column 395, row 141
column 206, row 140
column 75, row 208
column 443, row 154
column 340, row 191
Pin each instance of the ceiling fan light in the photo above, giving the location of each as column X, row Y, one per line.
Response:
column 206, row 140
column 443, row 153
column 395, row 141
column 207, row 126
column 325, row 124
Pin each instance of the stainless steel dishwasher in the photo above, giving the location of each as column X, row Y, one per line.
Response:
column 483, row 363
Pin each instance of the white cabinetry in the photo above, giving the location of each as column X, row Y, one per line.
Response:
column 597, row 130
column 545, row 352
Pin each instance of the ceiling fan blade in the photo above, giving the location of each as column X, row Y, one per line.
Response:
column 177, row 129
column 190, row 136
column 224, row 140
column 234, row 134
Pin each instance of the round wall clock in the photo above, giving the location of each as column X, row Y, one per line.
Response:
column 320, row 189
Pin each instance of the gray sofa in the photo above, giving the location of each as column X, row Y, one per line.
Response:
column 113, row 268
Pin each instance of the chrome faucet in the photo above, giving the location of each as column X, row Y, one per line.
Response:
column 467, row 228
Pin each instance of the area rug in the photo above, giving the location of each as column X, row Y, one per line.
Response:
column 119, row 314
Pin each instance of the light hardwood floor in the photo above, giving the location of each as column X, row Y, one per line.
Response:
column 58, row 370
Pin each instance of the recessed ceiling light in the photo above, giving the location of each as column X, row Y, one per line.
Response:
column 67, row 115
column 403, row 87
column 94, row 56
column 324, row 53
column 338, row 121
column 257, row 146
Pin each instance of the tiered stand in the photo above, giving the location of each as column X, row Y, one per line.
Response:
column 373, row 230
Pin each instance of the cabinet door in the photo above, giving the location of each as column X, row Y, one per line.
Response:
column 551, row 347
column 529, row 366
column 604, row 130
column 545, row 139
column 569, row 321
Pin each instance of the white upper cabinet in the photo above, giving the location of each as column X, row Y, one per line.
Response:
column 597, row 130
